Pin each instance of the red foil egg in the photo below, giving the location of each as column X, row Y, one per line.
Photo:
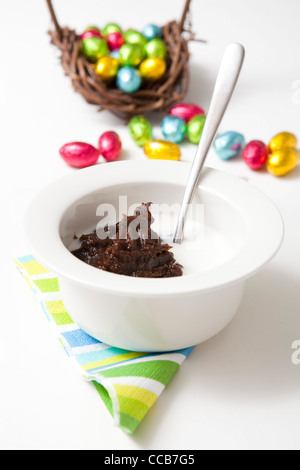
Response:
column 186, row 111
column 115, row 41
column 255, row 154
column 110, row 146
column 92, row 33
column 79, row 154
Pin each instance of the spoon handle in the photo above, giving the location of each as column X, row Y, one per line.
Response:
column 228, row 75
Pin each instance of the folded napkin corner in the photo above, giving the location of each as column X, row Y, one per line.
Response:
column 128, row 382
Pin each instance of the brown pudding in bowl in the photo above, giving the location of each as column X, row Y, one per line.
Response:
column 130, row 248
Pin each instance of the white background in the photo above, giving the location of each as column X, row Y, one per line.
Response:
column 238, row 391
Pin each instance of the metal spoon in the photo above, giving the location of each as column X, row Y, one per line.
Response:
column 229, row 71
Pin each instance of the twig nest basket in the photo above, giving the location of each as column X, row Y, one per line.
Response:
column 153, row 95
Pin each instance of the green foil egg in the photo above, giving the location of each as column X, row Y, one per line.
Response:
column 131, row 54
column 195, row 128
column 111, row 28
column 93, row 28
column 94, row 48
column 140, row 130
column 156, row 48
column 135, row 37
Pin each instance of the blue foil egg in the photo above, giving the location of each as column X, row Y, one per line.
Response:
column 151, row 31
column 115, row 54
column 229, row 144
column 128, row 79
column 173, row 129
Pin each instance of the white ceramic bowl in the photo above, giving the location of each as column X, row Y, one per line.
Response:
column 153, row 314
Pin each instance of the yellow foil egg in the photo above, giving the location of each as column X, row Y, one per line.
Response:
column 283, row 140
column 153, row 68
column 281, row 162
column 162, row 150
column 107, row 68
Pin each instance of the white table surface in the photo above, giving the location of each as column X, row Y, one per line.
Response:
column 239, row 390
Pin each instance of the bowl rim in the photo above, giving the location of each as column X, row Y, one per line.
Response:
column 265, row 229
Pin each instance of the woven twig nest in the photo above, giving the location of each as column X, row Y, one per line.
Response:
column 152, row 96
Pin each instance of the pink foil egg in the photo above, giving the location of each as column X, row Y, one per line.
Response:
column 79, row 154
column 110, row 146
column 186, row 111
column 92, row 33
column 255, row 154
column 115, row 41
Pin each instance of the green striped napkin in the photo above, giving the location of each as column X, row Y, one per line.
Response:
column 128, row 382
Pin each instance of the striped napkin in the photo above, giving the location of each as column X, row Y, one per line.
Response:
column 128, row 382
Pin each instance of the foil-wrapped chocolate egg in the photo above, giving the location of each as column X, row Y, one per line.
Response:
column 152, row 69
column 131, row 54
column 156, row 48
column 195, row 128
column 94, row 48
column 283, row 140
column 111, row 28
column 128, row 79
column 281, row 162
column 229, row 144
column 186, row 111
column 115, row 41
column 255, row 154
column 107, row 68
column 162, row 150
column 115, row 54
column 91, row 33
column 151, row 31
column 173, row 128
column 93, row 28
column 79, row 154
column 140, row 130
column 110, row 146
column 135, row 37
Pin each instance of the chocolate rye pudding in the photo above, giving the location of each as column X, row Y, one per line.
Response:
column 130, row 248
